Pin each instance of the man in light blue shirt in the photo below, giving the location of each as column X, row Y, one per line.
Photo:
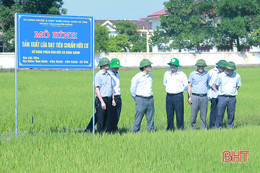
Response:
column 113, row 71
column 141, row 91
column 213, row 92
column 198, row 83
column 104, row 101
column 227, row 83
column 175, row 82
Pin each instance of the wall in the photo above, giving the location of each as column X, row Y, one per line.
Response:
column 7, row 60
column 186, row 59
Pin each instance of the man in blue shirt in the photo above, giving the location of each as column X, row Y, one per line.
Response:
column 213, row 92
column 105, row 97
column 113, row 71
column 227, row 83
column 198, row 83
column 141, row 91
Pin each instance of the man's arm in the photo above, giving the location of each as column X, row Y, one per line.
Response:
column 133, row 87
column 189, row 93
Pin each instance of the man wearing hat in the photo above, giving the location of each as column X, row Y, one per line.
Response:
column 114, row 67
column 105, row 97
column 198, row 82
column 175, row 82
column 113, row 71
column 213, row 92
column 141, row 91
column 228, row 84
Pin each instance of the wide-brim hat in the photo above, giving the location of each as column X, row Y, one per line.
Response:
column 103, row 61
column 174, row 61
column 231, row 65
column 115, row 63
column 201, row 63
column 222, row 63
column 145, row 62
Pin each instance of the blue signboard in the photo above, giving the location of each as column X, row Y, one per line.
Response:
column 54, row 41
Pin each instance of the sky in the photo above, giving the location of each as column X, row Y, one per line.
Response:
column 113, row 9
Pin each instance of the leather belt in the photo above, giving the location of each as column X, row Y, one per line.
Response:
column 173, row 94
column 200, row 95
column 144, row 97
column 118, row 96
column 229, row 96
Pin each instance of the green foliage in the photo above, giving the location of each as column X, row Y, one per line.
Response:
column 44, row 7
column 101, row 38
column 128, row 28
column 139, row 45
column 136, row 43
column 7, row 14
column 119, row 43
column 9, row 7
column 208, row 23
column 239, row 19
column 182, row 28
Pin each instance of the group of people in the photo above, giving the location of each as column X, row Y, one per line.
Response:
column 219, row 86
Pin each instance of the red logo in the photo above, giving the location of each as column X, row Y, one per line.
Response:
column 231, row 156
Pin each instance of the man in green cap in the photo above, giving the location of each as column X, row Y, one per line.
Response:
column 228, row 83
column 141, row 91
column 175, row 82
column 198, row 83
column 105, row 97
column 213, row 92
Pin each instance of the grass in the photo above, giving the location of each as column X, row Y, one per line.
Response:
column 61, row 101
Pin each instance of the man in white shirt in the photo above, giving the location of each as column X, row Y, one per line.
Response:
column 141, row 91
column 228, row 83
column 213, row 92
column 175, row 82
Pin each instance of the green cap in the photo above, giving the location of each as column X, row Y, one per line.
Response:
column 145, row 62
column 201, row 62
column 115, row 63
column 231, row 65
column 103, row 61
column 174, row 61
column 222, row 63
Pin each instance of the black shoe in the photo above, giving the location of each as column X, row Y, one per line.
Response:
column 88, row 130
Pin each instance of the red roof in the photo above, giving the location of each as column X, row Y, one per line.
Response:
column 156, row 14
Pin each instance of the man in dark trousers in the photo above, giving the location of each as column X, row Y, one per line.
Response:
column 176, row 83
column 104, row 98
column 113, row 71
column 213, row 92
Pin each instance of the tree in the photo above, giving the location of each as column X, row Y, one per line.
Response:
column 136, row 43
column 185, row 26
column 9, row 7
column 119, row 43
column 238, row 20
column 101, row 38
column 128, row 28
column 208, row 23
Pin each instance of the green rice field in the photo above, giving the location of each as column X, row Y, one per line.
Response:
column 60, row 103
